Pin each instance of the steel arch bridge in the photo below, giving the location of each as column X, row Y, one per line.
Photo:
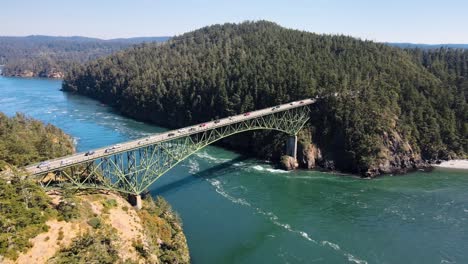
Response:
column 131, row 167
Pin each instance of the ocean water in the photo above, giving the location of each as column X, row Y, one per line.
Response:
column 241, row 210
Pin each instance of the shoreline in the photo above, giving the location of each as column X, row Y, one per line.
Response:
column 461, row 164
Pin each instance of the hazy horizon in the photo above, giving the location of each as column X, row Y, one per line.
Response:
column 134, row 37
column 418, row 21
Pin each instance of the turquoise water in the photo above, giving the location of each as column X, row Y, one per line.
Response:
column 241, row 210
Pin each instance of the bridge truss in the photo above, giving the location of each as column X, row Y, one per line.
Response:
column 133, row 171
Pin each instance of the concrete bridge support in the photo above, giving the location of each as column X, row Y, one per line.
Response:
column 291, row 147
column 135, row 201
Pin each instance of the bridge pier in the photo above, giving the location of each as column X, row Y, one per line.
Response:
column 291, row 146
column 135, row 201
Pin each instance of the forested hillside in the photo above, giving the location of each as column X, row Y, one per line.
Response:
column 394, row 109
column 24, row 141
column 45, row 56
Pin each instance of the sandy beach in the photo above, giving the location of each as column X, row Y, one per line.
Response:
column 453, row 164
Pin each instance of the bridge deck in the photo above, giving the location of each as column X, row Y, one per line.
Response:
column 78, row 158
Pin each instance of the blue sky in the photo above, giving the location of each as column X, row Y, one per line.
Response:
column 430, row 21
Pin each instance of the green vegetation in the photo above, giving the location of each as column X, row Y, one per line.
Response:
column 67, row 210
column 24, row 206
column 44, row 56
column 24, row 209
column 95, row 222
column 89, row 248
column 393, row 108
column 24, row 141
column 164, row 229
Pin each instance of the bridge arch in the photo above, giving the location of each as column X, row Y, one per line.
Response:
column 132, row 171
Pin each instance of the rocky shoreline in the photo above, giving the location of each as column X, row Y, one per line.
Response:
column 461, row 164
column 30, row 74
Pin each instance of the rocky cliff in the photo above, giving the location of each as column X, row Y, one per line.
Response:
column 87, row 227
column 396, row 156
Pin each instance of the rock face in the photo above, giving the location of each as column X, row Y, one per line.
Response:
column 309, row 156
column 397, row 156
column 289, row 163
column 53, row 74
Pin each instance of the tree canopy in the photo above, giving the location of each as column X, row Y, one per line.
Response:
column 46, row 56
column 24, row 141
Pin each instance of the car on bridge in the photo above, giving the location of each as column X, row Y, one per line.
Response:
column 301, row 102
column 89, row 153
column 217, row 121
column 43, row 164
column 117, row 146
column 192, row 129
column 109, row 150
column 231, row 118
column 181, row 131
column 247, row 114
column 65, row 162
column 170, row 134
column 202, row 125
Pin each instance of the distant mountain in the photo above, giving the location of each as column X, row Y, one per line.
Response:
column 52, row 56
column 44, row 38
column 405, row 45
column 140, row 39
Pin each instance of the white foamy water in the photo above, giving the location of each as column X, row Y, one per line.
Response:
column 75, row 140
column 205, row 155
column 268, row 169
column 275, row 220
column 194, row 167
column 239, row 164
column 219, row 189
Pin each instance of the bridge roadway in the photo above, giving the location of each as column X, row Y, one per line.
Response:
column 78, row 158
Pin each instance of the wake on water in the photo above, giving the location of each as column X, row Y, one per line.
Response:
column 275, row 220
column 206, row 156
column 194, row 168
column 268, row 169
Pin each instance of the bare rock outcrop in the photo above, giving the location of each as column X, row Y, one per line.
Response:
column 289, row 163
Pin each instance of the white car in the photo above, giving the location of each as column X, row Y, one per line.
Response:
column 65, row 162
column 181, row 130
column 116, row 146
column 108, row 150
column 43, row 164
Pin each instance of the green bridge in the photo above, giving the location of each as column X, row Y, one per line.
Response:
column 131, row 167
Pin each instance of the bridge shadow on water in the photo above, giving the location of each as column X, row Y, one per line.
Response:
column 210, row 173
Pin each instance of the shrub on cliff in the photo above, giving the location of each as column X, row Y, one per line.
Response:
column 89, row 248
column 164, row 228
column 24, row 209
